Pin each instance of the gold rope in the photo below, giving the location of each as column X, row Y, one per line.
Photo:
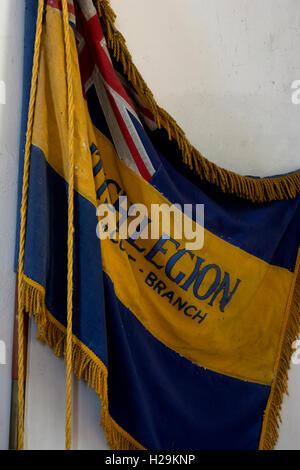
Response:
column 67, row 39
column 21, row 294
column 255, row 189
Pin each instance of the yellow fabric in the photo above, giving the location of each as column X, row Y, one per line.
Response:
column 51, row 135
column 235, row 334
column 235, row 344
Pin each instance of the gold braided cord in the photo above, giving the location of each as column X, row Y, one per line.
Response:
column 86, row 365
column 246, row 187
column 67, row 39
column 24, row 202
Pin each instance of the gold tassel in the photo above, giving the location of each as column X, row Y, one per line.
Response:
column 85, row 364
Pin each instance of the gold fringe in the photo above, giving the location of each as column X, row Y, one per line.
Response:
column 256, row 190
column 85, row 364
column 290, row 332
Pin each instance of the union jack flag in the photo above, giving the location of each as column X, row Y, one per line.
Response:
column 108, row 94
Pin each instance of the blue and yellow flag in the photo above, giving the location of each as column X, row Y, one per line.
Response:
column 187, row 347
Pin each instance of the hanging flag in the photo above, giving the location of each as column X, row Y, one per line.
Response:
column 187, row 341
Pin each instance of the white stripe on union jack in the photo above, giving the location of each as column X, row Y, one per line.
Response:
column 87, row 9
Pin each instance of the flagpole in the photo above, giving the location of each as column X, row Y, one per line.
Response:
column 13, row 430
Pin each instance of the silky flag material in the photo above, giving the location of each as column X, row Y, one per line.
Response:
column 186, row 348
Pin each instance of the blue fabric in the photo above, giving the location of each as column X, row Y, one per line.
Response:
column 269, row 231
column 96, row 112
column 29, row 37
column 240, row 222
column 142, row 371
column 166, row 401
column 46, row 253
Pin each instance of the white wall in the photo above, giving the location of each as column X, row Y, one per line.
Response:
column 11, row 48
column 223, row 69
